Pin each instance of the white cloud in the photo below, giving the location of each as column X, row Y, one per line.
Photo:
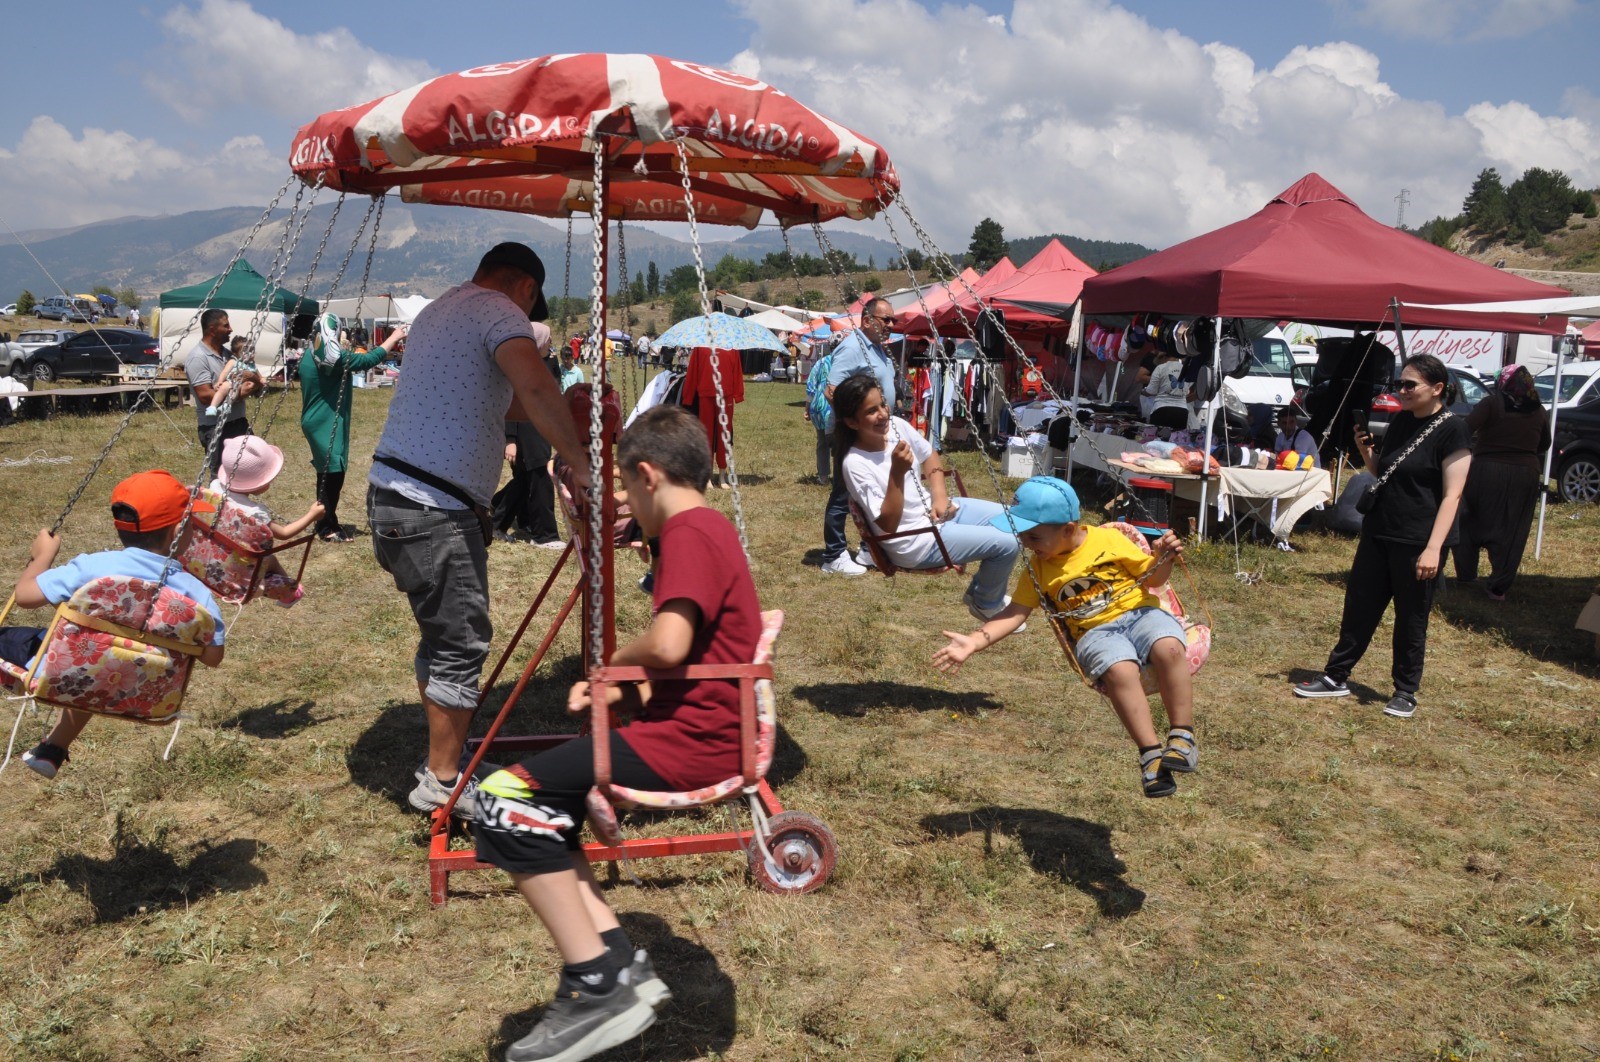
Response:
column 223, row 53
column 1469, row 19
column 53, row 177
column 1079, row 116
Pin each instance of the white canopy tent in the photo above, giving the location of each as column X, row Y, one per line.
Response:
column 1574, row 306
column 777, row 321
column 384, row 307
column 173, row 322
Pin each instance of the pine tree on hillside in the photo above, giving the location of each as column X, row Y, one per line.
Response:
column 1486, row 207
column 988, row 245
column 1540, row 201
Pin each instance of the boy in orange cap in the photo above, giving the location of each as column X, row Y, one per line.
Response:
column 147, row 508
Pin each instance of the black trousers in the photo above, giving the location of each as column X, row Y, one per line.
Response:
column 330, row 485
column 1382, row 572
column 230, row 429
column 528, row 822
column 528, row 502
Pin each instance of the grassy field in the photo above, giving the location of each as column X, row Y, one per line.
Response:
column 1332, row 884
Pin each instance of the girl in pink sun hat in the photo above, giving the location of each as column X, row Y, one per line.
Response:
column 249, row 465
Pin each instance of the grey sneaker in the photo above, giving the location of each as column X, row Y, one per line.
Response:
column 1401, row 705
column 1321, row 686
column 431, row 794
column 642, row 976
column 577, row 1025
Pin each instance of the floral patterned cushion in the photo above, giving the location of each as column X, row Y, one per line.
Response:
column 80, row 667
column 227, row 572
column 1197, row 636
column 602, row 817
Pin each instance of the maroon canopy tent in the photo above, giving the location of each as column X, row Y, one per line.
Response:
column 1311, row 255
column 1048, row 284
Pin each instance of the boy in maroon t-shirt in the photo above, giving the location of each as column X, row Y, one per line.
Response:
column 686, row 736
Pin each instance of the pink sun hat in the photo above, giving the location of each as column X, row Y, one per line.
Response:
column 249, row 463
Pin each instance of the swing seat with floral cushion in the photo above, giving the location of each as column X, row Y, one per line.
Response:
column 229, row 552
column 120, row 646
column 758, row 716
column 1197, row 635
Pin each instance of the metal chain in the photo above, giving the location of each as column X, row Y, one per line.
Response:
column 596, row 356
column 361, row 297
column 566, row 284
column 794, row 267
column 258, row 324
column 631, row 391
column 724, row 423
column 830, row 258
column 133, row 407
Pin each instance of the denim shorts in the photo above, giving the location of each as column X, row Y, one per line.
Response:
column 1131, row 636
column 438, row 560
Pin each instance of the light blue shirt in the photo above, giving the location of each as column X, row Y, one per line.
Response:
column 59, row 584
column 856, row 352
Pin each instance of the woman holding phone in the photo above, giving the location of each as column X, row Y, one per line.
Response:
column 1410, row 520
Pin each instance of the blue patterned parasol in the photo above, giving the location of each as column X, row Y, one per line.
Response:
column 724, row 333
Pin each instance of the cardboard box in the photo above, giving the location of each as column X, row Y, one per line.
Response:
column 1018, row 461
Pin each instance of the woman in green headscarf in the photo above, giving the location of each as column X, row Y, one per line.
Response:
column 325, row 387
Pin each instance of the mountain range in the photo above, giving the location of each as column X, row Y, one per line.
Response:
column 421, row 250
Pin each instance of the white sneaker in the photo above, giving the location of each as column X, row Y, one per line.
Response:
column 984, row 615
column 864, row 558
column 843, row 565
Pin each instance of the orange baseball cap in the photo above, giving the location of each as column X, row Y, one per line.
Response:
column 157, row 500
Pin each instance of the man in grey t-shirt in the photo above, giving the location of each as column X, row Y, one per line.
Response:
column 204, row 367
column 469, row 353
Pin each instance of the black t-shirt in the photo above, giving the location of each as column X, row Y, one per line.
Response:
column 1410, row 499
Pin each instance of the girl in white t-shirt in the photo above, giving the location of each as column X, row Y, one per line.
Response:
column 879, row 456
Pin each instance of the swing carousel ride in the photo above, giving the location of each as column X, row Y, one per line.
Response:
column 618, row 138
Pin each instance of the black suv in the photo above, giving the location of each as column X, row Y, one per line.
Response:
column 1577, row 457
column 95, row 353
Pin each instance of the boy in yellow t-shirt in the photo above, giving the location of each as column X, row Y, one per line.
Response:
column 1093, row 576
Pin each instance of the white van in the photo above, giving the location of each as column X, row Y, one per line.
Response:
column 1270, row 381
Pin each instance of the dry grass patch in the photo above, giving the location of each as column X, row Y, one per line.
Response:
column 1331, row 884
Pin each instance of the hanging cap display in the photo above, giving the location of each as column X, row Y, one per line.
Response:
column 521, row 256
column 249, row 463
column 1040, row 500
column 157, row 500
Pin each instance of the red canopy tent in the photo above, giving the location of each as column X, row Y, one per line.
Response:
column 1037, row 295
column 912, row 318
column 1311, row 255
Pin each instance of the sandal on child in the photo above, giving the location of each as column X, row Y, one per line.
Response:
column 1157, row 779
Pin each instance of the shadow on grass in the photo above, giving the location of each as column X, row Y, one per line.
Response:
column 275, row 720
column 1074, row 850
column 699, row 1022
column 852, row 700
column 1536, row 619
column 140, row 877
column 750, row 479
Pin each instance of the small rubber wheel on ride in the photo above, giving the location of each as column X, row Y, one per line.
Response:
column 803, row 849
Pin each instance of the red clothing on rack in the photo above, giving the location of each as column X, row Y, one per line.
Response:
column 700, row 393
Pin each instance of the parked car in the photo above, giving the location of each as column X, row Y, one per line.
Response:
column 26, row 343
column 1580, row 381
column 9, row 310
column 1470, row 392
column 61, row 308
column 1577, row 457
column 96, row 353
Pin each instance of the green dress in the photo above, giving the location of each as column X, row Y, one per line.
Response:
column 320, row 395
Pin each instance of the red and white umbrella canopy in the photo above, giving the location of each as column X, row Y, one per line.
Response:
column 520, row 136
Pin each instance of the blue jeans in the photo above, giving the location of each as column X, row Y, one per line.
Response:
column 970, row 537
column 824, row 454
column 833, row 521
column 1131, row 636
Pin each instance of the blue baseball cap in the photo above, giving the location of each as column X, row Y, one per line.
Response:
column 1040, row 500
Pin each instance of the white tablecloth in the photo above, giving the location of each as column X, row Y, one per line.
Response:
column 1277, row 499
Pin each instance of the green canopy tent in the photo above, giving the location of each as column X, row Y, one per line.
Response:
column 241, row 294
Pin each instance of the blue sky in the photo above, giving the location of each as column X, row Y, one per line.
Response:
column 1150, row 120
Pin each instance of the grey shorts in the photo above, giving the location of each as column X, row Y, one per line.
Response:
column 438, row 560
column 1131, row 636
